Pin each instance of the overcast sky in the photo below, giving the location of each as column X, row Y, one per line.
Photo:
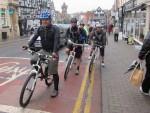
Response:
column 83, row 5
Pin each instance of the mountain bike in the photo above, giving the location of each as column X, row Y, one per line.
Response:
column 94, row 57
column 39, row 71
column 71, row 58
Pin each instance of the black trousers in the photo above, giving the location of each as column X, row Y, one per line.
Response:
column 116, row 37
column 102, row 51
column 56, row 81
column 146, row 81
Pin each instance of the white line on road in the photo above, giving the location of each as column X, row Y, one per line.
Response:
column 61, row 61
column 12, row 109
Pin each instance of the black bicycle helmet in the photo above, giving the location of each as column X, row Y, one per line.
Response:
column 74, row 20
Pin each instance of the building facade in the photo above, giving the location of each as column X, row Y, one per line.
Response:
column 29, row 11
column 8, row 19
column 133, row 17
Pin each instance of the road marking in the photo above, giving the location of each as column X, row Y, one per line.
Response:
column 81, row 93
column 14, row 69
column 12, row 109
column 89, row 97
column 61, row 61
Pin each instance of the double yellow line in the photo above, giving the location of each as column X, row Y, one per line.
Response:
column 78, row 104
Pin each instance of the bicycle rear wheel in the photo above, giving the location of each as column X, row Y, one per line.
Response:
column 27, row 90
column 68, row 67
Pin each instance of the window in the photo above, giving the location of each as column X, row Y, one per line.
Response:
column 3, row 19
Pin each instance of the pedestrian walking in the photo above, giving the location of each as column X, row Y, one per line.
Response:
column 144, row 54
column 116, row 33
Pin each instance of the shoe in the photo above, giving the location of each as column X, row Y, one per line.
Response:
column 141, row 90
column 89, row 58
column 54, row 93
column 102, row 64
column 77, row 72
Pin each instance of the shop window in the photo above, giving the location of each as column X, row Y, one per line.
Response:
column 3, row 19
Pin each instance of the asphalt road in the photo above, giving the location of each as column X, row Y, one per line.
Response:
column 14, row 49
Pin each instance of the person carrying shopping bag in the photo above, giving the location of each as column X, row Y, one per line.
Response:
column 144, row 54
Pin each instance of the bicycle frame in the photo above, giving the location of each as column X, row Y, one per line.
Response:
column 72, row 54
column 94, row 56
column 37, row 68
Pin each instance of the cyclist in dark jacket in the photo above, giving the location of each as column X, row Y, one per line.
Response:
column 83, row 34
column 99, row 37
column 50, row 36
column 73, row 33
column 145, row 54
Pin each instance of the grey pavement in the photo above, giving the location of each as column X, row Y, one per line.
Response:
column 118, row 95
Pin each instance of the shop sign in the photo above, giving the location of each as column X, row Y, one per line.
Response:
column 8, row 11
column 129, row 5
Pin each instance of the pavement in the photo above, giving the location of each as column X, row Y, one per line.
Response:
column 118, row 95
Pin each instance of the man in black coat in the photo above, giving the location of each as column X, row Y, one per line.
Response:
column 50, row 38
column 144, row 54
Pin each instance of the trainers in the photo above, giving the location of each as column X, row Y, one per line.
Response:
column 54, row 93
column 89, row 58
column 141, row 90
column 77, row 72
column 103, row 65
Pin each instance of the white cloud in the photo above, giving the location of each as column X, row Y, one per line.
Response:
column 83, row 5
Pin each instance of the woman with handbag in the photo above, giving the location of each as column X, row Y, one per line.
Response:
column 144, row 54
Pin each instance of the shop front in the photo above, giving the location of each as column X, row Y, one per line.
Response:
column 134, row 19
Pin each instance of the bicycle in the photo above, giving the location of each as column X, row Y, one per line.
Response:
column 39, row 70
column 94, row 56
column 71, row 58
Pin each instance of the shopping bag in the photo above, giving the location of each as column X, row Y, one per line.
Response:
column 136, row 77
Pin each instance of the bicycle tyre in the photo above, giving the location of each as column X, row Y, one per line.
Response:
column 67, row 68
column 91, row 64
column 21, row 101
column 47, row 82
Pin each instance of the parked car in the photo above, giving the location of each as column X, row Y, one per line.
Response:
column 63, row 28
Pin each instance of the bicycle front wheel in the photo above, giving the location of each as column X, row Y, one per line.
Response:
column 68, row 68
column 27, row 90
column 91, row 64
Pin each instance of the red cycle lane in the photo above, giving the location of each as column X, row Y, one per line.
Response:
column 73, row 93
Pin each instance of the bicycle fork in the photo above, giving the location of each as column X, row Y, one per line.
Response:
column 36, row 75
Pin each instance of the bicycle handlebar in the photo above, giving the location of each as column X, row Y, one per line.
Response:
column 77, row 44
column 47, row 57
column 98, row 45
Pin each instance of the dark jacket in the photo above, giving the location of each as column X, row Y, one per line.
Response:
column 144, row 52
column 50, row 37
column 73, row 34
column 83, row 35
column 99, row 38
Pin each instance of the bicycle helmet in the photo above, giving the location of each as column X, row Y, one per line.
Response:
column 45, row 15
column 73, row 20
column 82, row 23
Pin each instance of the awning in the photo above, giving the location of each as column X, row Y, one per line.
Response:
column 141, row 6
